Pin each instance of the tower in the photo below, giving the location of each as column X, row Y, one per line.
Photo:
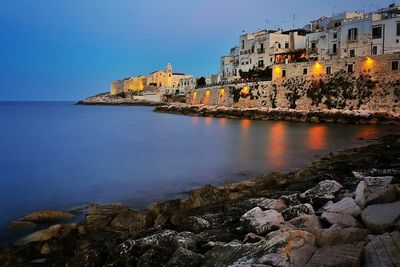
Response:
column 169, row 69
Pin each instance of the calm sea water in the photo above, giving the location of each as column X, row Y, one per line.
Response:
column 58, row 155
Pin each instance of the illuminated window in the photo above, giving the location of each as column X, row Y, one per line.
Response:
column 395, row 65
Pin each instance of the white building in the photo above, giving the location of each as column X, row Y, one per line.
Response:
column 186, row 85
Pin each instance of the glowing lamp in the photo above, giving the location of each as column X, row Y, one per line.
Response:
column 245, row 91
column 368, row 63
column 318, row 69
column 194, row 95
column 222, row 92
column 277, row 71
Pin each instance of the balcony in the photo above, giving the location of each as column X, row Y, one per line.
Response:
column 312, row 50
column 260, row 50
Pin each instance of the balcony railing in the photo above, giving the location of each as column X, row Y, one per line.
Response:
column 261, row 50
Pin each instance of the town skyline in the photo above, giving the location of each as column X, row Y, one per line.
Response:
column 70, row 56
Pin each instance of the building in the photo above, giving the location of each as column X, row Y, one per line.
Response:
column 166, row 81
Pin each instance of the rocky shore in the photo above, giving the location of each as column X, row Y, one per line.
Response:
column 344, row 210
column 119, row 100
column 335, row 116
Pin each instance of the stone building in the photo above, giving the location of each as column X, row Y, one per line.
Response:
column 163, row 80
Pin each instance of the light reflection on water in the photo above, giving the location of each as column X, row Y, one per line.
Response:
column 56, row 155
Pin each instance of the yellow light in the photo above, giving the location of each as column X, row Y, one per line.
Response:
column 245, row 91
column 277, row 71
column 318, row 69
column 368, row 64
column 207, row 92
column 222, row 92
column 194, row 95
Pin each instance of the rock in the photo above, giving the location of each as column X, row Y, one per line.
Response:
column 348, row 255
column 383, row 250
column 340, row 219
column 89, row 257
column 47, row 216
column 281, row 248
column 384, row 195
column 265, row 204
column 195, row 224
column 132, row 221
column 261, row 222
column 183, row 257
column 306, row 221
column 17, row 225
column 361, row 194
column 296, row 211
column 58, row 230
column 323, row 192
column 252, row 238
column 290, row 200
column 378, row 182
column 337, row 235
column 381, row 218
column 346, row 205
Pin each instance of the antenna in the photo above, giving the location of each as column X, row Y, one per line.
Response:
column 294, row 21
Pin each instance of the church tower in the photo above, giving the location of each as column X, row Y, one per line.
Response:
column 169, row 69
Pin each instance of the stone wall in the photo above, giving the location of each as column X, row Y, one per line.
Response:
column 373, row 86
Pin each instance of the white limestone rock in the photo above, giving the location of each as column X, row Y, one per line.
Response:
column 378, row 182
column 346, row 205
column 361, row 194
column 261, row 222
column 298, row 210
column 340, row 219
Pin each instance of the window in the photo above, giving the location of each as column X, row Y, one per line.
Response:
column 270, row 59
column 247, row 63
column 398, row 29
column 352, row 53
column 305, row 70
column 279, row 45
column 352, row 34
column 350, row 68
column 283, row 73
column 377, row 33
column 374, row 50
column 335, row 36
column 338, row 24
column 252, row 49
column 395, row 65
column 287, row 45
column 250, row 60
column 242, row 44
column 328, row 70
column 334, row 49
column 261, row 63
column 313, row 45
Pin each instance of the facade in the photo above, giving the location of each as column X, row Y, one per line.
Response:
column 166, row 81
column 187, row 85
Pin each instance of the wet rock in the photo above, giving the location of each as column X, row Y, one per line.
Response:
column 261, row 222
column 252, row 238
column 378, row 182
column 296, row 211
column 338, row 235
column 221, row 235
column 289, row 248
column 195, row 224
column 100, row 216
column 58, row 230
column 47, row 216
column 346, row 205
column 132, row 221
column 340, row 219
column 18, row 225
column 155, row 256
column 184, row 257
column 381, row 218
column 88, row 258
column 383, row 250
column 348, row 255
column 306, row 221
column 361, row 194
column 323, row 192
column 384, row 195
column 291, row 200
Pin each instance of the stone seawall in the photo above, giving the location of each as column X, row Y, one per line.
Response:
column 374, row 90
column 335, row 116
column 123, row 100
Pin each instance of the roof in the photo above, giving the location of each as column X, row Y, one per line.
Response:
column 178, row 73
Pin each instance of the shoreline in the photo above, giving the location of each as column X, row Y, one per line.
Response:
column 325, row 116
column 221, row 207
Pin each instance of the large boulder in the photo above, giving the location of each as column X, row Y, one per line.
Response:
column 195, row 224
column 383, row 250
column 184, row 258
column 58, row 230
column 297, row 210
column 348, row 255
column 340, row 219
column 47, row 216
column 323, row 192
column 281, row 248
column 338, row 235
column 264, row 203
column 381, row 218
column 290, row 200
column 383, row 195
column 361, row 194
column 306, row 221
column 261, row 222
column 347, row 205
column 378, row 182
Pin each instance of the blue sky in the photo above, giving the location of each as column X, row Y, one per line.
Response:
column 70, row 49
